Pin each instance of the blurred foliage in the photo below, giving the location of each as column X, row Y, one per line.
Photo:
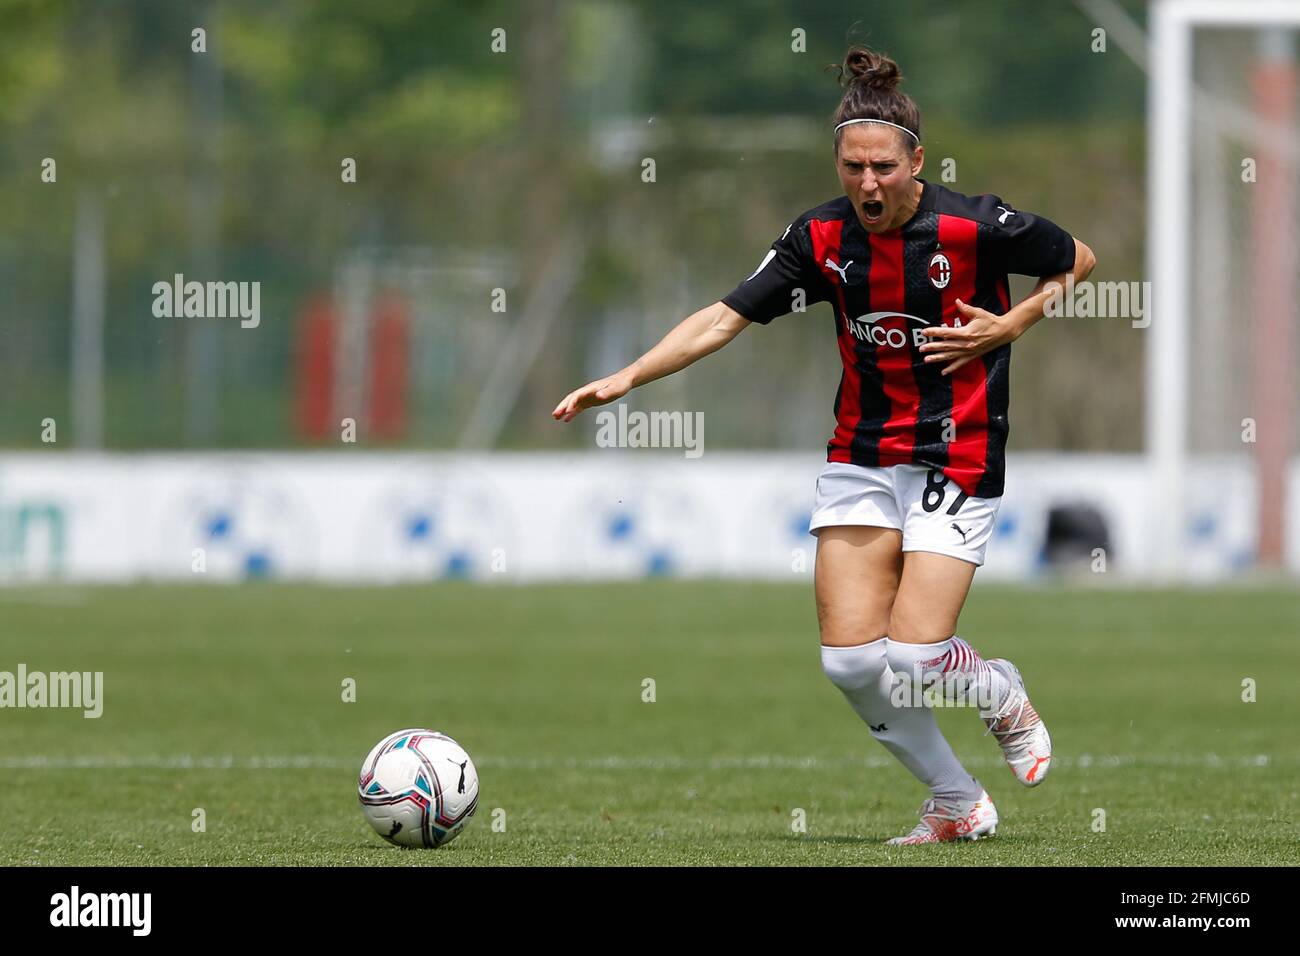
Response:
column 450, row 160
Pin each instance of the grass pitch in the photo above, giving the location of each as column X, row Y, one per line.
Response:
column 230, row 700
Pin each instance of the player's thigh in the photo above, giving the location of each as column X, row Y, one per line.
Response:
column 931, row 592
column 855, row 580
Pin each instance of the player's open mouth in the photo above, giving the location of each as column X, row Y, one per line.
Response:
column 873, row 209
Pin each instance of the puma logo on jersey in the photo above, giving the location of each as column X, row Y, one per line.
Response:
column 1005, row 212
column 842, row 270
column 960, row 532
column 877, row 728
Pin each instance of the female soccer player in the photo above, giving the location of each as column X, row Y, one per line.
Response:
column 905, row 506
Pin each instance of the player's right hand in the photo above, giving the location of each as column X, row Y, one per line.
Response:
column 600, row 392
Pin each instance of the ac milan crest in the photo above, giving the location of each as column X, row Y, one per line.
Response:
column 940, row 270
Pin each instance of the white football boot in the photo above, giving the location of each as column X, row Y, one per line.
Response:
column 1021, row 733
column 944, row 820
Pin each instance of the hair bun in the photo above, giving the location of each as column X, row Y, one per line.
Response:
column 870, row 81
column 873, row 70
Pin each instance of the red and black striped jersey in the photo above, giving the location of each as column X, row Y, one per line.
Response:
column 892, row 408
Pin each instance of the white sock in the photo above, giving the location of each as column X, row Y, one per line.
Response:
column 911, row 734
column 955, row 665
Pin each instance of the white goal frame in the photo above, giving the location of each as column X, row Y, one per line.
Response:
column 1169, row 172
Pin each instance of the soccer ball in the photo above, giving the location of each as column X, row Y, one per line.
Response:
column 418, row 788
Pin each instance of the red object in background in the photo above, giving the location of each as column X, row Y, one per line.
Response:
column 1274, row 251
column 389, row 364
column 314, row 371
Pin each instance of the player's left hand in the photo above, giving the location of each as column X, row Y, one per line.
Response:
column 981, row 331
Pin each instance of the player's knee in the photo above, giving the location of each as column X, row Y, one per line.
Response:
column 910, row 628
column 852, row 667
column 845, row 623
column 839, row 629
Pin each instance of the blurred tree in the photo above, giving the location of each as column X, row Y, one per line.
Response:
column 462, row 149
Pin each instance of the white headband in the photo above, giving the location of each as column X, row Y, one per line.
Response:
column 884, row 122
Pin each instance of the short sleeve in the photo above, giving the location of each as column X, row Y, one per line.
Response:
column 787, row 267
column 1032, row 245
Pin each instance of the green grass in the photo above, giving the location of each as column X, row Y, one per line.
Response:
column 543, row 685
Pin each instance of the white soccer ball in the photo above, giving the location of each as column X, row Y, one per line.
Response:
column 418, row 788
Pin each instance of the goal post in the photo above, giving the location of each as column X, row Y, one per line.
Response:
column 1221, row 343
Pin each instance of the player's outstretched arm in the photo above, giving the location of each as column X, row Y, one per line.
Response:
column 695, row 336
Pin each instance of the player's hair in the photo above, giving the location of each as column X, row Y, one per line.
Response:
column 871, row 92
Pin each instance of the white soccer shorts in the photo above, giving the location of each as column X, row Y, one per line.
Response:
column 922, row 502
